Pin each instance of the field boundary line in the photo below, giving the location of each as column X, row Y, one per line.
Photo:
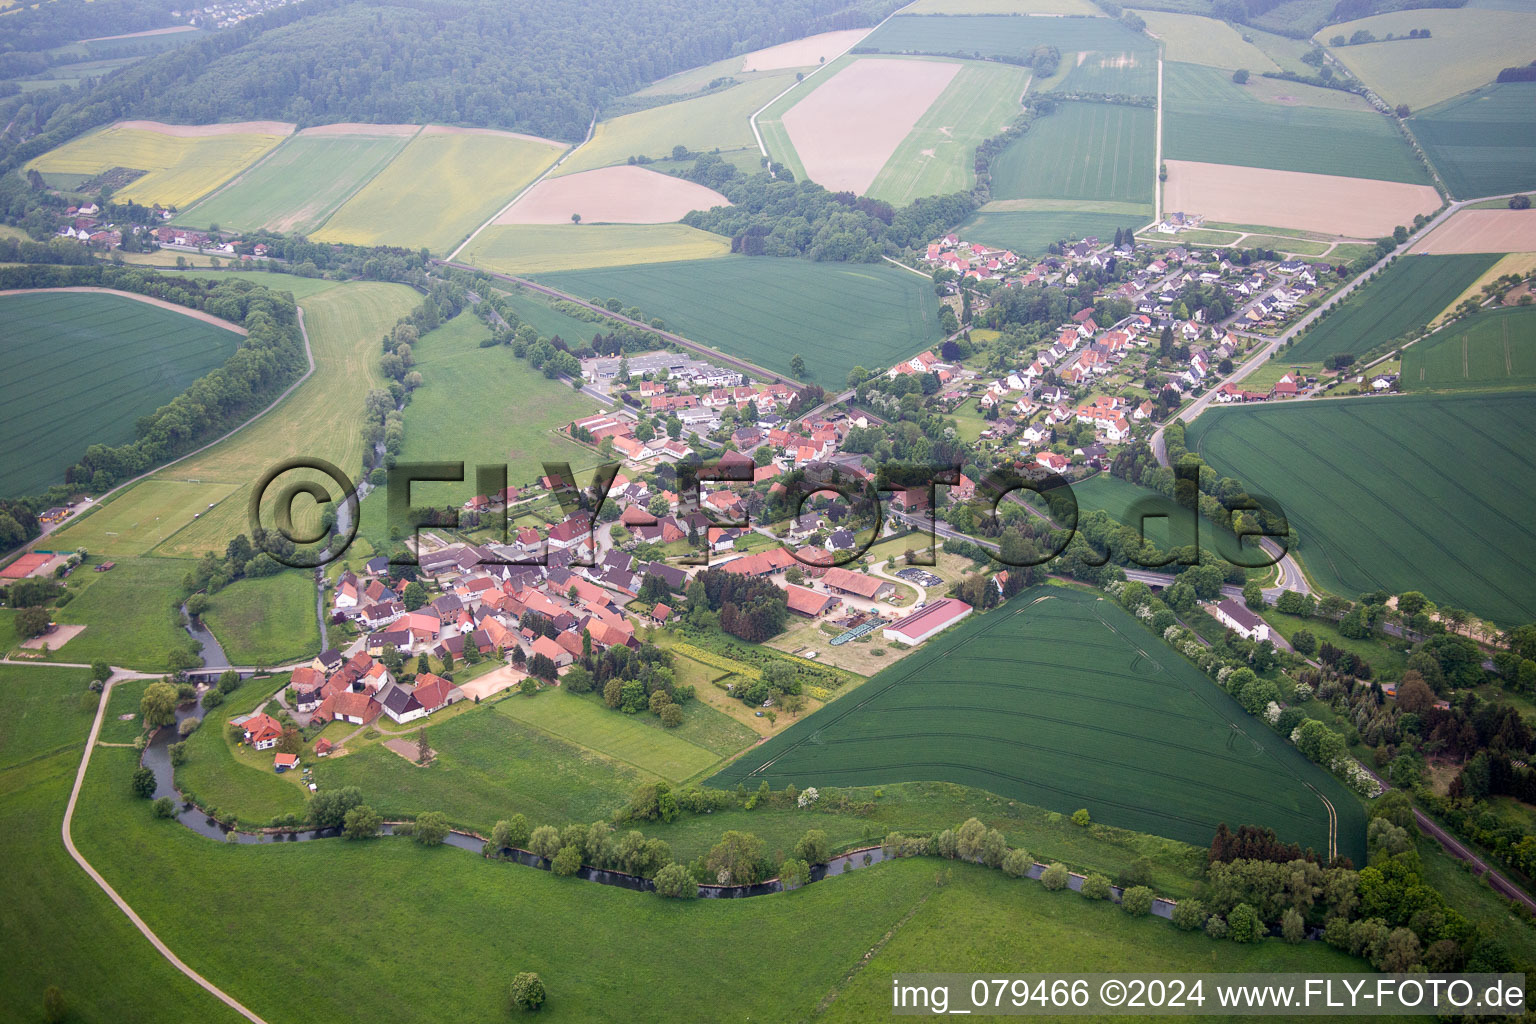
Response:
column 591, row 128
column 1157, row 160
column 344, row 200
column 232, row 182
column 122, row 904
column 195, row 314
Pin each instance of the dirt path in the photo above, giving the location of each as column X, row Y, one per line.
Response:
column 196, row 314
column 122, row 904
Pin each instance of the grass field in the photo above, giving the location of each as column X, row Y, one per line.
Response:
column 440, row 188
column 1483, row 143
column 535, row 309
column 701, row 124
column 1096, row 151
column 299, row 185
column 1429, row 494
column 1210, row 118
column 79, row 369
column 1406, row 295
column 181, row 169
column 266, row 621
column 322, row 418
column 1133, row 74
column 1495, row 349
column 938, row 157
column 144, row 515
column 1187, row 37
column 47, row 711
column 1061, row 699
column 1030, row 232
column 767, row 310
column 1004, row 35
column 544, row 248
column 130, row 614
column 1466, row 49
column 519, row 434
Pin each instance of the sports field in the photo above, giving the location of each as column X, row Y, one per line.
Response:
column 1494, row 349
column 458, row 413
column 80, row 368
column 1209, row 118
column 938, row 157
column 444, row 184
column 299, row 184
column 144, row 515
column 1431, row 493
column 992, row 36
column 1483, row 144
column 1188, row 37
column 536, row 248
column 718, row 120
column 1467, row 48
column 1030, row 232
column 1082, row 151
column 836, row 315
column 1408, row 294
column 1063, row 700
column 183, row 163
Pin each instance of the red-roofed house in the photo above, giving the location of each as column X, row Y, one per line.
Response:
column 810, row 603
column 262, row 731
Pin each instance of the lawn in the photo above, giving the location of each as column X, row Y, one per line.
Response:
column 536, row 309
column 79, row 369
column 48, row 710
column 1494, row 349
column 267, row 621
column 1405, row 296
column 130, row 614
column 1188, row 37
column 1466, row 49
column 444, row 185
column 1483, row 143
column 1062, row 700
column 518, row 434
column 1429, row 493
column 181, row 169
column 1006, row 35
column 718, row 120
column 1209, row 118
column 938, row 156
column 835, row 315
column 298, row 185
column 545, row 248
column 238, row 783
column 322, row 418
column 1031, row 232
column 1386, row 662
column 143, row 516
column 1098, row 151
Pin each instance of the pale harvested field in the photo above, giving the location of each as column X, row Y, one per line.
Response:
column 1325, row 203
column 802, row 53
column 847, row 129
column 60, row 636
column 357, row 128
column 611, row 195
column 199, row 131
column 1036, row 8
column 196, row 314
column 493, row 681
column 448, row 129
column 1484, row 231
column 173, row 29
column 1521, row 263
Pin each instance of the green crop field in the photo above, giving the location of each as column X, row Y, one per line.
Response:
column 1063, row 700
column 298, row 185
column 79, row 369
column 531, row 248
column 1005, row 35
column 836, row 315
column 266, row 621
column 1131, row 73
column 1030, row 232
column 143, row 516
column 938, row 156
column 1492, row 350
column 1083, row 151
column 1484, row 143
column 442, row 186
column 1406, row 295
column 1430, row 493
column 453, row 416
column 1166, row 525
column 718, row 120
column 1209, row 118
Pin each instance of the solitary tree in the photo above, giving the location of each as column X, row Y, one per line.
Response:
column 158, row 705
column 674, row 882
column 143, row 782
column 431, row 828
column 101, row 671
column 423, row 751
column 527, row 992
column 1055, row 877
column 1240, row 76
column 575, row 218
column 797, row 365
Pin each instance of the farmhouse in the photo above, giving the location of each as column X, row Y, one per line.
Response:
column 926, row 622
column 1236, row 617
column 262, row 731
column 809, row 603
column 857, row 584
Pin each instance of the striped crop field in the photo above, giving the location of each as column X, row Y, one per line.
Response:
column 1097, row 151
column 1061, row 699
column 1423, row 492
column 1493, row 350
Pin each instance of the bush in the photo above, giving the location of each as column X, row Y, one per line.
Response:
column 1096, row 887
column 1216, row 927
column 1188, row 914
column 675, row 882
column 143, row 782
column 1017, row 863
column 431, row 828
column 1055, row 877
column 361, row 822
column 187, row 727
column 1243, row 924
column 567, row 862
column 1137, row 901
column 165, row 807
column 512, row 831
column 1080, row 817
column 527, row 992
